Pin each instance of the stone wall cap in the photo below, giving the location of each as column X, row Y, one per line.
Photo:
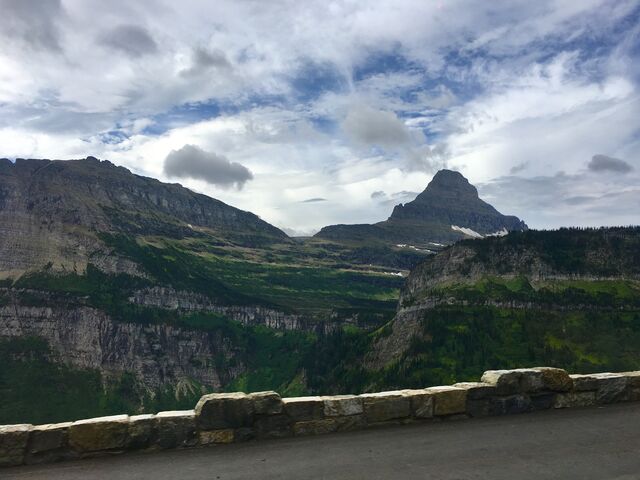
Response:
column 19, row 427
column 176, row 413
column 52, row 426
column 303, row 399
column 393, row 393
column 142, row 417
column 110, row 419
column 442, row 388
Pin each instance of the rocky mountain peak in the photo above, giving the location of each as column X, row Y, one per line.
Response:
column 448, row 184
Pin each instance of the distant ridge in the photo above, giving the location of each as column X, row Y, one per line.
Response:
column 447, row 210
column 52, row 212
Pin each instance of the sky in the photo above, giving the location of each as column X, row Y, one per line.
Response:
column 321, row 112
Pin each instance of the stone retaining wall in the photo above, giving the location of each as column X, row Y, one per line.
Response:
column 222, row 418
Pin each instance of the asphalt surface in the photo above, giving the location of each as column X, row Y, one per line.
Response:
column 593, row 443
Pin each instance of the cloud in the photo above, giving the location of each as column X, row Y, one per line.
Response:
column 192, row 162
column 32, row 22
column 373, row 127
column 314, row 200
column 204, row 60
column 378, row 194
column 604, row 163
column 132, row 40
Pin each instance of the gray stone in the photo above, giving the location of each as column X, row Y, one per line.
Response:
column 176, row 429
column 574, row 399
column 633, row 378
column 384, row 406
column 304, row 408
column 350, row 422
column 448, row 400
column 510, row 405
column 143, row 431
column 13, row 444
column 342, row 405
column 543, row 401
column 266, row 403
column 219, row 411
column 99, row 434
column 273, row 426
column 609, row 387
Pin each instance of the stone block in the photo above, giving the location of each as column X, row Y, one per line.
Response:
column 342, row 405
column 609, row 387
column 421, row 403
column 507, row 382
column 266, row 403
column 633, row 378
column 385, row 406
column 304, row 408
column 575, row 399
column 99, row 434
column 448, row 400
column 351, row 422
column 13, row 444
column 477, row 390
column 315, row 427
column 218, row 411
column 49, row 437
column 215, row 437
column 543, row 401
column 176, row 429
column 273, row 426
column 555, row 379
column 510, row 405
column 143, row 431
column 480, row 407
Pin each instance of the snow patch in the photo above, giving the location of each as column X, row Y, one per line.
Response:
column 466, row 231
column 499, row 233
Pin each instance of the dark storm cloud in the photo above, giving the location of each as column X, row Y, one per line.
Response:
column 32, row 23
column 193, row 162
column 314, row 200
column 132, row 40
column 204, row 60
column 604, row 163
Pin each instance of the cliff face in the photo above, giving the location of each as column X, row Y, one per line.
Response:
column 52, row 212
column 158, row 355
column 570, row 270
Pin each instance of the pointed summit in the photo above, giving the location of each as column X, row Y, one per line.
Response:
column 447, row 210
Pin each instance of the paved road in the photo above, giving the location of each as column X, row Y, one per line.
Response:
column 594, row 443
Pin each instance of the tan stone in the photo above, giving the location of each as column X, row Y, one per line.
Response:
column 385, row 406
column 555, row 379
column 13, row 443
column 506, row 382
column 315, row 427
column 49, row 437
column 96, row 434
column 176, row 429
column 304, row 408
column 574, row 399
column 143, row 430
column 421, row 403
column 448, row 400
column 477, row 390
column 211, row 437
column 342, row 405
